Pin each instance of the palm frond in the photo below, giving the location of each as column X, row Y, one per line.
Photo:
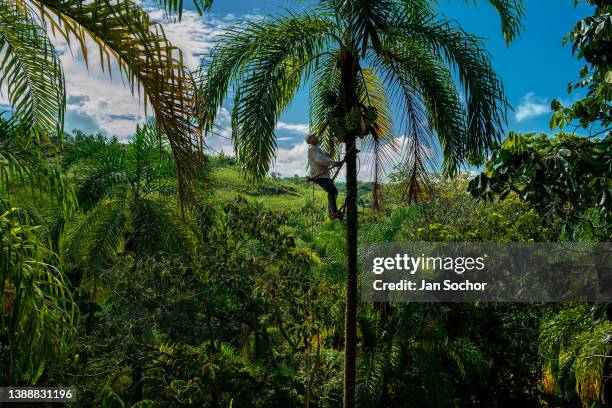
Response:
column 22, row 163
column 123, row 32
column 31, row 72
column 104, row 173
column 365, row 20
column 101, row 184
column 468, row 358
column 512, row 13
column 485, row 101
column 108, row 235
column 574, row 351
column 371, row 377
column 83, row 147
column 419, row 159
column 266, row 63
column 81, row 235
column 153, row 228
column 175, row 7
column 381, row 141
column 151, row 162
column 411, row 71
column 37, row 313
column 326, row 81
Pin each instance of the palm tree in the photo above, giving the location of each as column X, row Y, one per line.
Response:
column 439, row 77
column 126, row 193
column 31, row 71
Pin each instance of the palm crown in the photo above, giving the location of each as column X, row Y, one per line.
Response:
column 126, row 191
column 439, row 77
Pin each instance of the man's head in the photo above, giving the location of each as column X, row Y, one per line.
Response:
column 312, row 139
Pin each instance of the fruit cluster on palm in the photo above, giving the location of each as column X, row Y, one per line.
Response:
column 438, row 76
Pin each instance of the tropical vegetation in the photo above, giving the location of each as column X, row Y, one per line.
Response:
column 357, row 53
column 145, row 273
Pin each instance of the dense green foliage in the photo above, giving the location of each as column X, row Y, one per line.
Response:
column 566, row 179
column 122, row 34
column 591, row 40
column 236, row 298
column 244, row 307
column 364, row 58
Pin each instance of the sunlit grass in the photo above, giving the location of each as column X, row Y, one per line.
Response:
column 274, row 194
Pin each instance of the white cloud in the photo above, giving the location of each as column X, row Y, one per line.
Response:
column 195, row 35
column 291, row 161
column 224, row 116
column 299, row 128
column 97, row 102
column 531, row 106
column 3, row 94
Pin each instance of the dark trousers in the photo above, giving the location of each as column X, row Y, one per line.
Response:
column 332, row 193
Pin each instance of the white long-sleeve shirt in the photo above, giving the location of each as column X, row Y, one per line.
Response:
column 319, row 162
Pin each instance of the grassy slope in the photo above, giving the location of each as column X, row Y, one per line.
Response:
column 273, row 193
column 276, row 194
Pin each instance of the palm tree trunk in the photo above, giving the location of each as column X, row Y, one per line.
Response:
column 350, row 324
column 349, row 80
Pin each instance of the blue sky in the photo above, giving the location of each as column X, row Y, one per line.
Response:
column 535, row 69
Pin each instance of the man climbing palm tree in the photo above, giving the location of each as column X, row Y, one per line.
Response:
column 361, row 58
column 320, row 163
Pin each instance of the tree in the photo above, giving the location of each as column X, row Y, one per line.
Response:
column 567, row 180
column 37, row 314
column 36, row 309
column 355, row 50
column 592, row 40
column 24, row 164
column 567, row 177
column 125, row 192
column 121, row 30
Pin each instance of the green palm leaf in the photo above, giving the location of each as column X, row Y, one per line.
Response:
column 31, row 71
column 485, row 101
column 266, row 62
column 22, row 164
column 154, row 228
column 426, row 88
column 382, row 141
column 511, row 13
column 175, row 7
column 150, row 63
column 36, row 309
